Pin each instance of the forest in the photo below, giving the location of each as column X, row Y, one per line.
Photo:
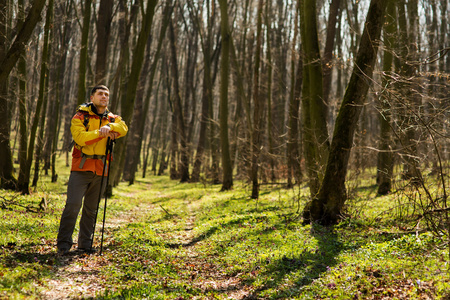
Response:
column 321, row 99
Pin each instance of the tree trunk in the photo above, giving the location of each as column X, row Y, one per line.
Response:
column 130, row 87
column 258, row 108
column 178, row 110
column 293, row 153
column 206, row 95
column 103, row 33
column 24, row 180
column 270, row 131
column 9, row 60
column 84, row 52
column 385, row 162
column 227, row 179
column 23, row 125
column 61, row 58
column 314, row 111
column 408, row 53
column 7, row 180
column 138, row 123
column 327, row 64
column 45, row 71
column 326, row 207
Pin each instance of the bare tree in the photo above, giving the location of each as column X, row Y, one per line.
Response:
column 7, row 63
column 178, row 111
column 258, row 107
column 227, row 180
column 327, row 205
column 24, row 177
column 84, row 51
column 385, row 156
column 314, row 112
column 103, row 33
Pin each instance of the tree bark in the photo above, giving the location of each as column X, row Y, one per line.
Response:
column 408, row 53
column 84, row 53
column 314, row 111
column 327, row 63
column 293, row 151
column 103, row 33
column 258, row 107
column 385, row 162
column 24, row 180
column 40, row 147
column 23, row 125
column 178, row 110
column 130, row 87
column 227, row 178
column 7, row 179
column 206, row 92
column 9, row 60
column 138, row 123
column 326, row 207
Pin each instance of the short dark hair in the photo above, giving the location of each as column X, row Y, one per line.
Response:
column 99, row 87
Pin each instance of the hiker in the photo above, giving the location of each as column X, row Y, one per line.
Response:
column 91, row 127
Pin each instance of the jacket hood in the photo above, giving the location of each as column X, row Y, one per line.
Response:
column 90, row 108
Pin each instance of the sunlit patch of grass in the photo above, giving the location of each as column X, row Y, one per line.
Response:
column 169, row 240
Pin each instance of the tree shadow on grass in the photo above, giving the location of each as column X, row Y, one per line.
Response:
column 309, row 265
column 205, row 235
column 41, row 254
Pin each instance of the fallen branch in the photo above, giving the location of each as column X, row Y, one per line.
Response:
column 168, row 213
column 29, row 208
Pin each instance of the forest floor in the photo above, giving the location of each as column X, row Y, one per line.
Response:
column 167, row 240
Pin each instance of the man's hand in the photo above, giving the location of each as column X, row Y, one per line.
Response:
column 104, row 131
column 113, row 135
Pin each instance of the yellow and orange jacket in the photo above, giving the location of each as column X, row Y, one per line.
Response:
column 85, row 127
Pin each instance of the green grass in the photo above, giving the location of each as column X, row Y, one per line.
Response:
column 166, row 240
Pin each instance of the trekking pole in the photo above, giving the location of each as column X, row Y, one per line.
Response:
column 110, row 146
column 100, row 194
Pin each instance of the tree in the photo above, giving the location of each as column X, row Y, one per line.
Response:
column 84, row 52
column 138, row 123
column 293, row 151
column 24, row 176
column 408, row 53
column 327, row 65
column 326, row 206
column 258, row 107
column 207, row 88
column 314, row 112
column 385, row 158
column 103, row 33
column 227, row 180
column 178, row 111
column 23, row 128
column 129, row 86
column 7, row 63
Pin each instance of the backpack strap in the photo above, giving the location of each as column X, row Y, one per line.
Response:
column 86, row 120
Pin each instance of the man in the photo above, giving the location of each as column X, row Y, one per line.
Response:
column 91, row 127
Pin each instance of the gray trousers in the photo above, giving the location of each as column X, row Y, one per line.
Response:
column 81, row 184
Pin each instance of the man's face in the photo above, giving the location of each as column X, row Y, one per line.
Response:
column 100, row 98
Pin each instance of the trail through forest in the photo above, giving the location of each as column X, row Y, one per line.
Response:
column 80, row 275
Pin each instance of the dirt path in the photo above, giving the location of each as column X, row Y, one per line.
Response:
column 204, row 273
column 79, row 276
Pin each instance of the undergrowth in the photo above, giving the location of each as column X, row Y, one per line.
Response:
column 166, row 240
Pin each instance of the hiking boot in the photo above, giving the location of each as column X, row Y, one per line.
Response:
column 63, row 251
column 87, row 251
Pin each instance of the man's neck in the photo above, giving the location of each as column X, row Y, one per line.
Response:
column 100, row 110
